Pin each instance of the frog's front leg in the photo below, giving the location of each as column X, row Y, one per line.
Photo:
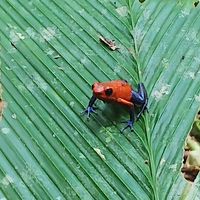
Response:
column 129, row 122
column 90, row 108
column 140, row 98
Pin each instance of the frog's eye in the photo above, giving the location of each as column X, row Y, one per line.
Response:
column 108, row 92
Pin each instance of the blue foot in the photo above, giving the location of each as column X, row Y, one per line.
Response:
column 88, row 111
column 129, row 125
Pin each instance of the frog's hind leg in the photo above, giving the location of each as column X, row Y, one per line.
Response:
column 140, row 99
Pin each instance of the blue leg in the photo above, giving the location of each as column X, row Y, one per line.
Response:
column 142, row 111
column 140, row 98
column 130, row 122
column 90, row 108
column 92, row 101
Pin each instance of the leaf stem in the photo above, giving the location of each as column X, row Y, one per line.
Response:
column 151, row 157
column 135, row 55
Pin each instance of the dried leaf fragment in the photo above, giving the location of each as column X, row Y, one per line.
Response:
column 190, row 173
column 109, row 43
column 191, row 158
column 98, row 151
column 122, row 11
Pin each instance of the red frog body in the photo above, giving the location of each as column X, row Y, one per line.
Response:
column 119, row 91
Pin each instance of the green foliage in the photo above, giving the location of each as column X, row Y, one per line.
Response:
column 51, row 55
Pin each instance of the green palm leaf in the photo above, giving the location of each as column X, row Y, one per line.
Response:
column 50, row 57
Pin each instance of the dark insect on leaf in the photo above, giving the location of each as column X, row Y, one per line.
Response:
column 141, row 1
column 13, row 45
column 110, row 43
column 196, row 3
column 57, row 56
column 146, row 162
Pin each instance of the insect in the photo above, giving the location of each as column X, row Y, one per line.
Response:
column 121, row 92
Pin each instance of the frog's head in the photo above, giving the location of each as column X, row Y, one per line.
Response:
column 102, row 91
